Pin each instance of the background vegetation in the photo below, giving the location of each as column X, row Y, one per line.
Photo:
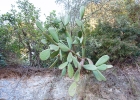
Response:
column 113, row 28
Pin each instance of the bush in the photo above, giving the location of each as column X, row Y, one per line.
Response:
column 117, row 42
column 2, row 61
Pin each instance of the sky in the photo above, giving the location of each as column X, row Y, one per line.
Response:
column 46, row 6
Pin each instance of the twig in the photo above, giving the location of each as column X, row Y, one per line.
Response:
column 137, row 67
column 20, row 80
column 97, row 10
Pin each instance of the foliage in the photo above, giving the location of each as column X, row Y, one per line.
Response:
column 63, row 51
column 118, row 42
column 72, row 7
column 52, row 20
column 116, row 31
column 25, row 30
column 20, row 36
column 2, row 61
column 8, row 45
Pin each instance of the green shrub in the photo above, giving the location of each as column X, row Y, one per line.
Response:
column 2, row 61
column 118, row 42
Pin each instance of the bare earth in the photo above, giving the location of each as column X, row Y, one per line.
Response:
column 46, row 84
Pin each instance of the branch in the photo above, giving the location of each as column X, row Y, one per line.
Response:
column 96, row 10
